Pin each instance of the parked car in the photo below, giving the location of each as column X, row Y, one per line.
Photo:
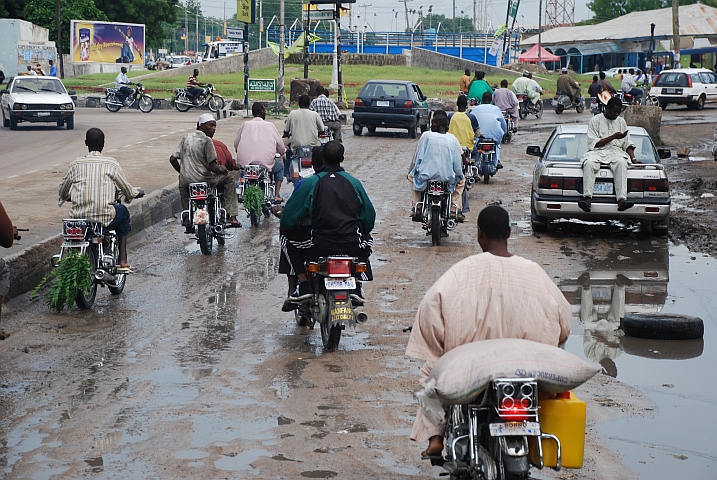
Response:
column 686, row 86
column 391, row 104
column 36, row 99
column 176, row 61
column 558, row 182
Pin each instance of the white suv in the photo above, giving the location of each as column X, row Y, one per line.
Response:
column 687, row 86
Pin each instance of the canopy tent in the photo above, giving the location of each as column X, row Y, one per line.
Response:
column 531, row 55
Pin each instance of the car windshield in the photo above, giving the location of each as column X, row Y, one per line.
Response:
column 35, row 85
column 397, row 90
column 671, row 79
column 570, row 147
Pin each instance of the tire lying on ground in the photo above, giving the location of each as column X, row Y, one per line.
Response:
column 663, row 326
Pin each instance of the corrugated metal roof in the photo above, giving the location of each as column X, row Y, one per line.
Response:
column 695, row 20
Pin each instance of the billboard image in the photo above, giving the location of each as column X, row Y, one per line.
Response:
column 107, row 42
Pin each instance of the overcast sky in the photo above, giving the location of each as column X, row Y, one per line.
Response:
column 382, row 13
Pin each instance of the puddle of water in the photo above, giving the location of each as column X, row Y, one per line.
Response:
column 642, row 276
column 190, row 454
column 241, row 461
column 319, row 474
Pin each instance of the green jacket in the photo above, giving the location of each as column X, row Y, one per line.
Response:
column 478, row 88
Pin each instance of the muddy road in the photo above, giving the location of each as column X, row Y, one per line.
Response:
column 194, row 372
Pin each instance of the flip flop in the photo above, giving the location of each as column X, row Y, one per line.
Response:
column 126, row 269
column 438, row 456
column 278, row 201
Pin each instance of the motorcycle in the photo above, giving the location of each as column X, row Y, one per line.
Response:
column 485, row 160
column 137, row 99
column 562, row 102
column 207, row 216
column 436, row 208
column 183, row 100
column 301, row 166
column 102, row 250
column 470, row 171
column 596, row 105
column 331, row 304
column 258, row 177
column 491, row 437
column 326, row 136
column 510, row 128
column 528, row 108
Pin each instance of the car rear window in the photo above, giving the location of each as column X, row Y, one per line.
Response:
column 671, row 79
column 570, row 147
column 397, row 90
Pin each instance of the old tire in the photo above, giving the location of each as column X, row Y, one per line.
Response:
column 358, row 129
column 538, row 223
column 663, row 326
column 662, row 349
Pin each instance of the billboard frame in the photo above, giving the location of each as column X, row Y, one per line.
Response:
column 79, row 55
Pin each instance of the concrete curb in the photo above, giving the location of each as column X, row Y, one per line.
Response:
column 34, row 261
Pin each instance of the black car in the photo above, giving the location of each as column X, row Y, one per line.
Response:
column 391, row 104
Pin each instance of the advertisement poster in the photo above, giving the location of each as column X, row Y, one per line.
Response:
column 35, row 53
column 107, row 42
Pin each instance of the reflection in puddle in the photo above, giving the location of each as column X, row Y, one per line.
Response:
column 240, row 461
column 319, row 474
column 96, row 463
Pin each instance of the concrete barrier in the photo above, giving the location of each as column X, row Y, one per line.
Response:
column 644, row 116
column 423, row 58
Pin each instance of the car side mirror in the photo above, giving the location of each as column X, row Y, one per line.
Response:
column 662, row 153
column 71, row 92
column 534, row 150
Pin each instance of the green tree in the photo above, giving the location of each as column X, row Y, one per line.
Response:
column 43, row 13
column 157, row 16
column 12, row 8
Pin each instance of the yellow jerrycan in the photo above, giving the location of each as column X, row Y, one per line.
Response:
column 563, row 415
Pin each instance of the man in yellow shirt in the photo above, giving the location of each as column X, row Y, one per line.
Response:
column 460, row 124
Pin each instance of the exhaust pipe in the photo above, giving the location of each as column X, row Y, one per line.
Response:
column 103, row 276
column 218, row 229
column 450, row 224
column 361, row 317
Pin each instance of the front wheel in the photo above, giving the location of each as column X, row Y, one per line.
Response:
column 539, row 109
column 559, row 109
column 182, row 107
column 206, row 241
column 579, row 108
column 146, row 104
column 358, row 129
column 436, row 225
column 216, row 103
column 70, row 123
column 86, row 299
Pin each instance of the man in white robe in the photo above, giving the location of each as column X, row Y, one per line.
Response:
column 608, row 144
column 490, row 295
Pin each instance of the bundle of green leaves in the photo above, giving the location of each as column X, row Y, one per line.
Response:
column 71, row 277
column 253, row 199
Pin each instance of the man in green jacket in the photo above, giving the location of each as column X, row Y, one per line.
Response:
column 479, row 86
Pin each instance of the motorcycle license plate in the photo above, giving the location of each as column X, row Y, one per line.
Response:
column 506, row 429
column 341, row 312
column 75, row 244
column 603, row 188
column 340, row 284
column 306, row 172
column 382, row 103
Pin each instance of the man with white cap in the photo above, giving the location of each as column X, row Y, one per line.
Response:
column 568, row 85
column 195, row 158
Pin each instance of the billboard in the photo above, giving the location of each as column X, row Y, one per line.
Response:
column 107, row 42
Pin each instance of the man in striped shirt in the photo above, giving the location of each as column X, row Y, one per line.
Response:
column 193, row 85
column 90, row 184
column 328, row 111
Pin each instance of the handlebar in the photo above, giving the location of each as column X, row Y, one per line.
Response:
column 16, row 235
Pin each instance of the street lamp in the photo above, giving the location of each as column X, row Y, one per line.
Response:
column 430, row 9
column 461, row 23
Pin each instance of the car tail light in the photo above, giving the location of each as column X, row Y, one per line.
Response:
column 551, row 182
column 689, row 81
column 337, row 266
column 358, row 103
column 570, row 183
column 656, row 185
column 408, row 104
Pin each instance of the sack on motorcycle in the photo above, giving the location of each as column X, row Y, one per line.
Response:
column 464, row 372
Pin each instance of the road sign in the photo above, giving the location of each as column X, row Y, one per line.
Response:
column 235, row 33
column 316, row 15
column 262, row 85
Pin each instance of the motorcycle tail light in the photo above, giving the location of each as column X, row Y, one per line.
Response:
column 338, row 266
column 312, row 267
column 252, row 175
column 198, row 191
column 323, row 135
column 408, row 104
column 515, row 410
column 435, row 188
column 361, row 267
column 551, row 182
column 341, row 296
column 486, row 147
column 358, row 103
column 305, row 162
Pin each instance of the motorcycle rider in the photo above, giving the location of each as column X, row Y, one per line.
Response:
column 524, row 86
column 479, row 86
column 606, row 85
column 570, row 87
column 595, row 88
column 438, row 157
column 90, row 183
column 629, row 85
column 608, row 144
column 194, row 88
column 340, row 212
column 494, row 294
column 257, row 142
column 120, row 84
column 303, row 127
column 492, row 124
column 195, row 158
column 506, row 101
column 465, row 83
column 461, row 125
column 328, row 111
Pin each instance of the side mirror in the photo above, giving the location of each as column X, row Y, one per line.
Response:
column 664, row 153
column 71, row 92
column 534, row 150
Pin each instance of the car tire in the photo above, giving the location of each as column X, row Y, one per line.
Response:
column 60, row 123
column 5, row 121
column 70, row 122
column 424, row 128
column 358, row 129
column 663, row 326
column 371, row 129
column 700, row 103
column 13, row 122
column 538, row 224
column 663, row 104
column 412, row 131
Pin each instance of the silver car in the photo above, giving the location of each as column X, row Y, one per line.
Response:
column 36, row 99
column 558, row 182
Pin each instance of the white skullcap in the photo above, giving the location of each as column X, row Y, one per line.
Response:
column 206, row 117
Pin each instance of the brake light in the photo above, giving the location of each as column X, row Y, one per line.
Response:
column 408, row 104
column 551, row 182
column 514, row 409
column 435, row 189
column 486, row 147
column 335, row 266
column 74, row 233
column 305, row 162
column 252, row 175
column 358, row 103
column 656, row 185
column 340, row 296
column 570, row 183
column 689, row 81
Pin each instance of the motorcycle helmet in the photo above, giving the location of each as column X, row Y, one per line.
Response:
column 526, row 73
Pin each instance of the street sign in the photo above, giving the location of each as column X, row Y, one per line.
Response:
column 246, row 10
column 316, row 15
column 262, row 85
column 235, row 33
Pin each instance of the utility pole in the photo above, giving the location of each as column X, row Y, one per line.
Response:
column 59, row 39
column 405, row 6
column 186, row 31
column 540, row 30
column 475, row 19
column 676, row 31
column 196, row 31
column 454, row 16
column 307, row 23
column 280, row 82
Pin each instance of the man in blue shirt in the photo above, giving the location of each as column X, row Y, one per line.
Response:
column 53, row 69
column 491, row 122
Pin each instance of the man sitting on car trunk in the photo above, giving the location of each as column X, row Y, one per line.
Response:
column 608, row 144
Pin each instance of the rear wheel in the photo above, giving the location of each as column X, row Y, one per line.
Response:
column 436, row 225
column 358, row 129
column 486, row 178
column 86, row 299
column 424, row 128
column 523, row 112
column 216, row 103
column 700, row 103
column 204, row 232
column 301, row 320
column 146, row 104
column 330, row 335
column 120, row 279
column 110, row 106
column 412, row 131
column 539, row 108
column 579, row 108
column 182, row 107
column 539, row 224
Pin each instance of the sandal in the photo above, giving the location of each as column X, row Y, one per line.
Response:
column 124, row 269
column 278, row 201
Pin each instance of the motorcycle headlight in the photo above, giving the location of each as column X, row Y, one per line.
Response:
column 19, row 106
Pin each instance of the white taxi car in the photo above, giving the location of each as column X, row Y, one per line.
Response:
column 36, row 99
